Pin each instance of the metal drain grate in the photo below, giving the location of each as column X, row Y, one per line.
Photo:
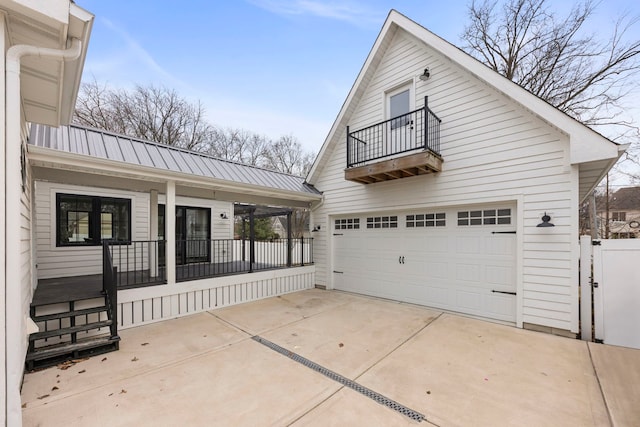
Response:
column 414, row 415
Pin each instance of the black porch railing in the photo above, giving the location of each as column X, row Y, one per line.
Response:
column 416, row 130
column 220, row 257
column 139, row 262
column 142, row 263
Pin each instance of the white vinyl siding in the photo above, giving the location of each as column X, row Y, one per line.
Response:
column 55, row 261
column 493, row 151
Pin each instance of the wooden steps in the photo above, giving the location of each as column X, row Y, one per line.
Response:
column 71, row 330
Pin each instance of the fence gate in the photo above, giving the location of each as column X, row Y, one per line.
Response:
column 616, row 291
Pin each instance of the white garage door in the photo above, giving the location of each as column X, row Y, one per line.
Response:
column 461, row 259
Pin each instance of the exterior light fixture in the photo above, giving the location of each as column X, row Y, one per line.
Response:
column 315, row 229
column 425, row 75
column 223, row 215
column 545, row 221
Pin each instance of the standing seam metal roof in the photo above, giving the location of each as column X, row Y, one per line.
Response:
column 101, row 144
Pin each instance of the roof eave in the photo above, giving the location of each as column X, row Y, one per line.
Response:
column 41, row 156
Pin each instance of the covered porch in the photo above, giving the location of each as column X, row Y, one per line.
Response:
column 154, row 232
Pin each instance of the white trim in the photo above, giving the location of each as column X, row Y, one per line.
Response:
column 156, row 303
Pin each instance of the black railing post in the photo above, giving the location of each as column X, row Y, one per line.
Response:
column 425, row 123
column 289, row 242
column 109, row 289
column 349, row 162
column 252, row 241
column 302, row 251
column 244, row 238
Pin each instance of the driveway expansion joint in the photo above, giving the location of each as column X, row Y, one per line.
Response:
column 377, row 397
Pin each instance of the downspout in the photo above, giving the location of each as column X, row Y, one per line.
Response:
column 15, row 319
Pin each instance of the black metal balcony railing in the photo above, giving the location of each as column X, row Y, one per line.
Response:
column 416, row 130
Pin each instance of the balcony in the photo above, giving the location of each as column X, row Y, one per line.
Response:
column 400, row 147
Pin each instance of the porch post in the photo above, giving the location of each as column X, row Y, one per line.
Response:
column 170, row 237
column 252, row 241
column 289, row 243
column 154, row 245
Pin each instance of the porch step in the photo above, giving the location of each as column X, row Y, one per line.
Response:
column 54, row 354
column 66, row 314
column 70, row 330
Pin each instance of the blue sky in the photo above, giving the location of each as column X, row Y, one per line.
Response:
column 273, row 67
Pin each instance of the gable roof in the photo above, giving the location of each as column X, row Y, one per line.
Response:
column 587, row 147
column 132, row 152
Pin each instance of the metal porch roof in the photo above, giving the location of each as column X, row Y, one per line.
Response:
column 105, row 145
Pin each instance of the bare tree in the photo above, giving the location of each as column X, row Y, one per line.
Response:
column 557, row 59
column 152, row 113
column 286, row 155
column 161, row 115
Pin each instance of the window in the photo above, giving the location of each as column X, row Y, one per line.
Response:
column 382, row 222
column 485, row 217
column 88, row 220
column 426, row 220
column 347, row 224
column 618, row 216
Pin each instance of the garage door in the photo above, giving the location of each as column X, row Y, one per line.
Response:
column 461, row 259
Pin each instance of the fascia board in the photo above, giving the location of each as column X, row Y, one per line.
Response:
column 47, row 157
column 80, row 26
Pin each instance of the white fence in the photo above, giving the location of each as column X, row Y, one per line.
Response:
column 610, row 282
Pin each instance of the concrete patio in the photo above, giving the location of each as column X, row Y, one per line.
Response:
column 206, row 369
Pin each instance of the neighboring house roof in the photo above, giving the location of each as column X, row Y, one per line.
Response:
column 77, row 140
column 593, row 152
column 625, row 199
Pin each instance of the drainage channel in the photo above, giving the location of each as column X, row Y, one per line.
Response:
column 383, row 400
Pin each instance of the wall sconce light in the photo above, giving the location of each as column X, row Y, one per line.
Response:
column 545, row 221
column 223, row 215
column 425, row 75
column 315, row 229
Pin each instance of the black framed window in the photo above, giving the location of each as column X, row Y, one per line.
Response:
column 88, row 220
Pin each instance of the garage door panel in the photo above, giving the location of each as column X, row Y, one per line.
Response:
column 451, row 267
column 501, row 275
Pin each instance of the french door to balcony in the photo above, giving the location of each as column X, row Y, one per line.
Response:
column 193, row 231
column 400, row 132
column 193, row 234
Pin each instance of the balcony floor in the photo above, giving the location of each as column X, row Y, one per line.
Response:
column 421, row 163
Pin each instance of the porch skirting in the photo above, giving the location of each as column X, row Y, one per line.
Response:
column 142, row 306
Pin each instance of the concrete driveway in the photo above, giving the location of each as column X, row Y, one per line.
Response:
column 206, row 370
